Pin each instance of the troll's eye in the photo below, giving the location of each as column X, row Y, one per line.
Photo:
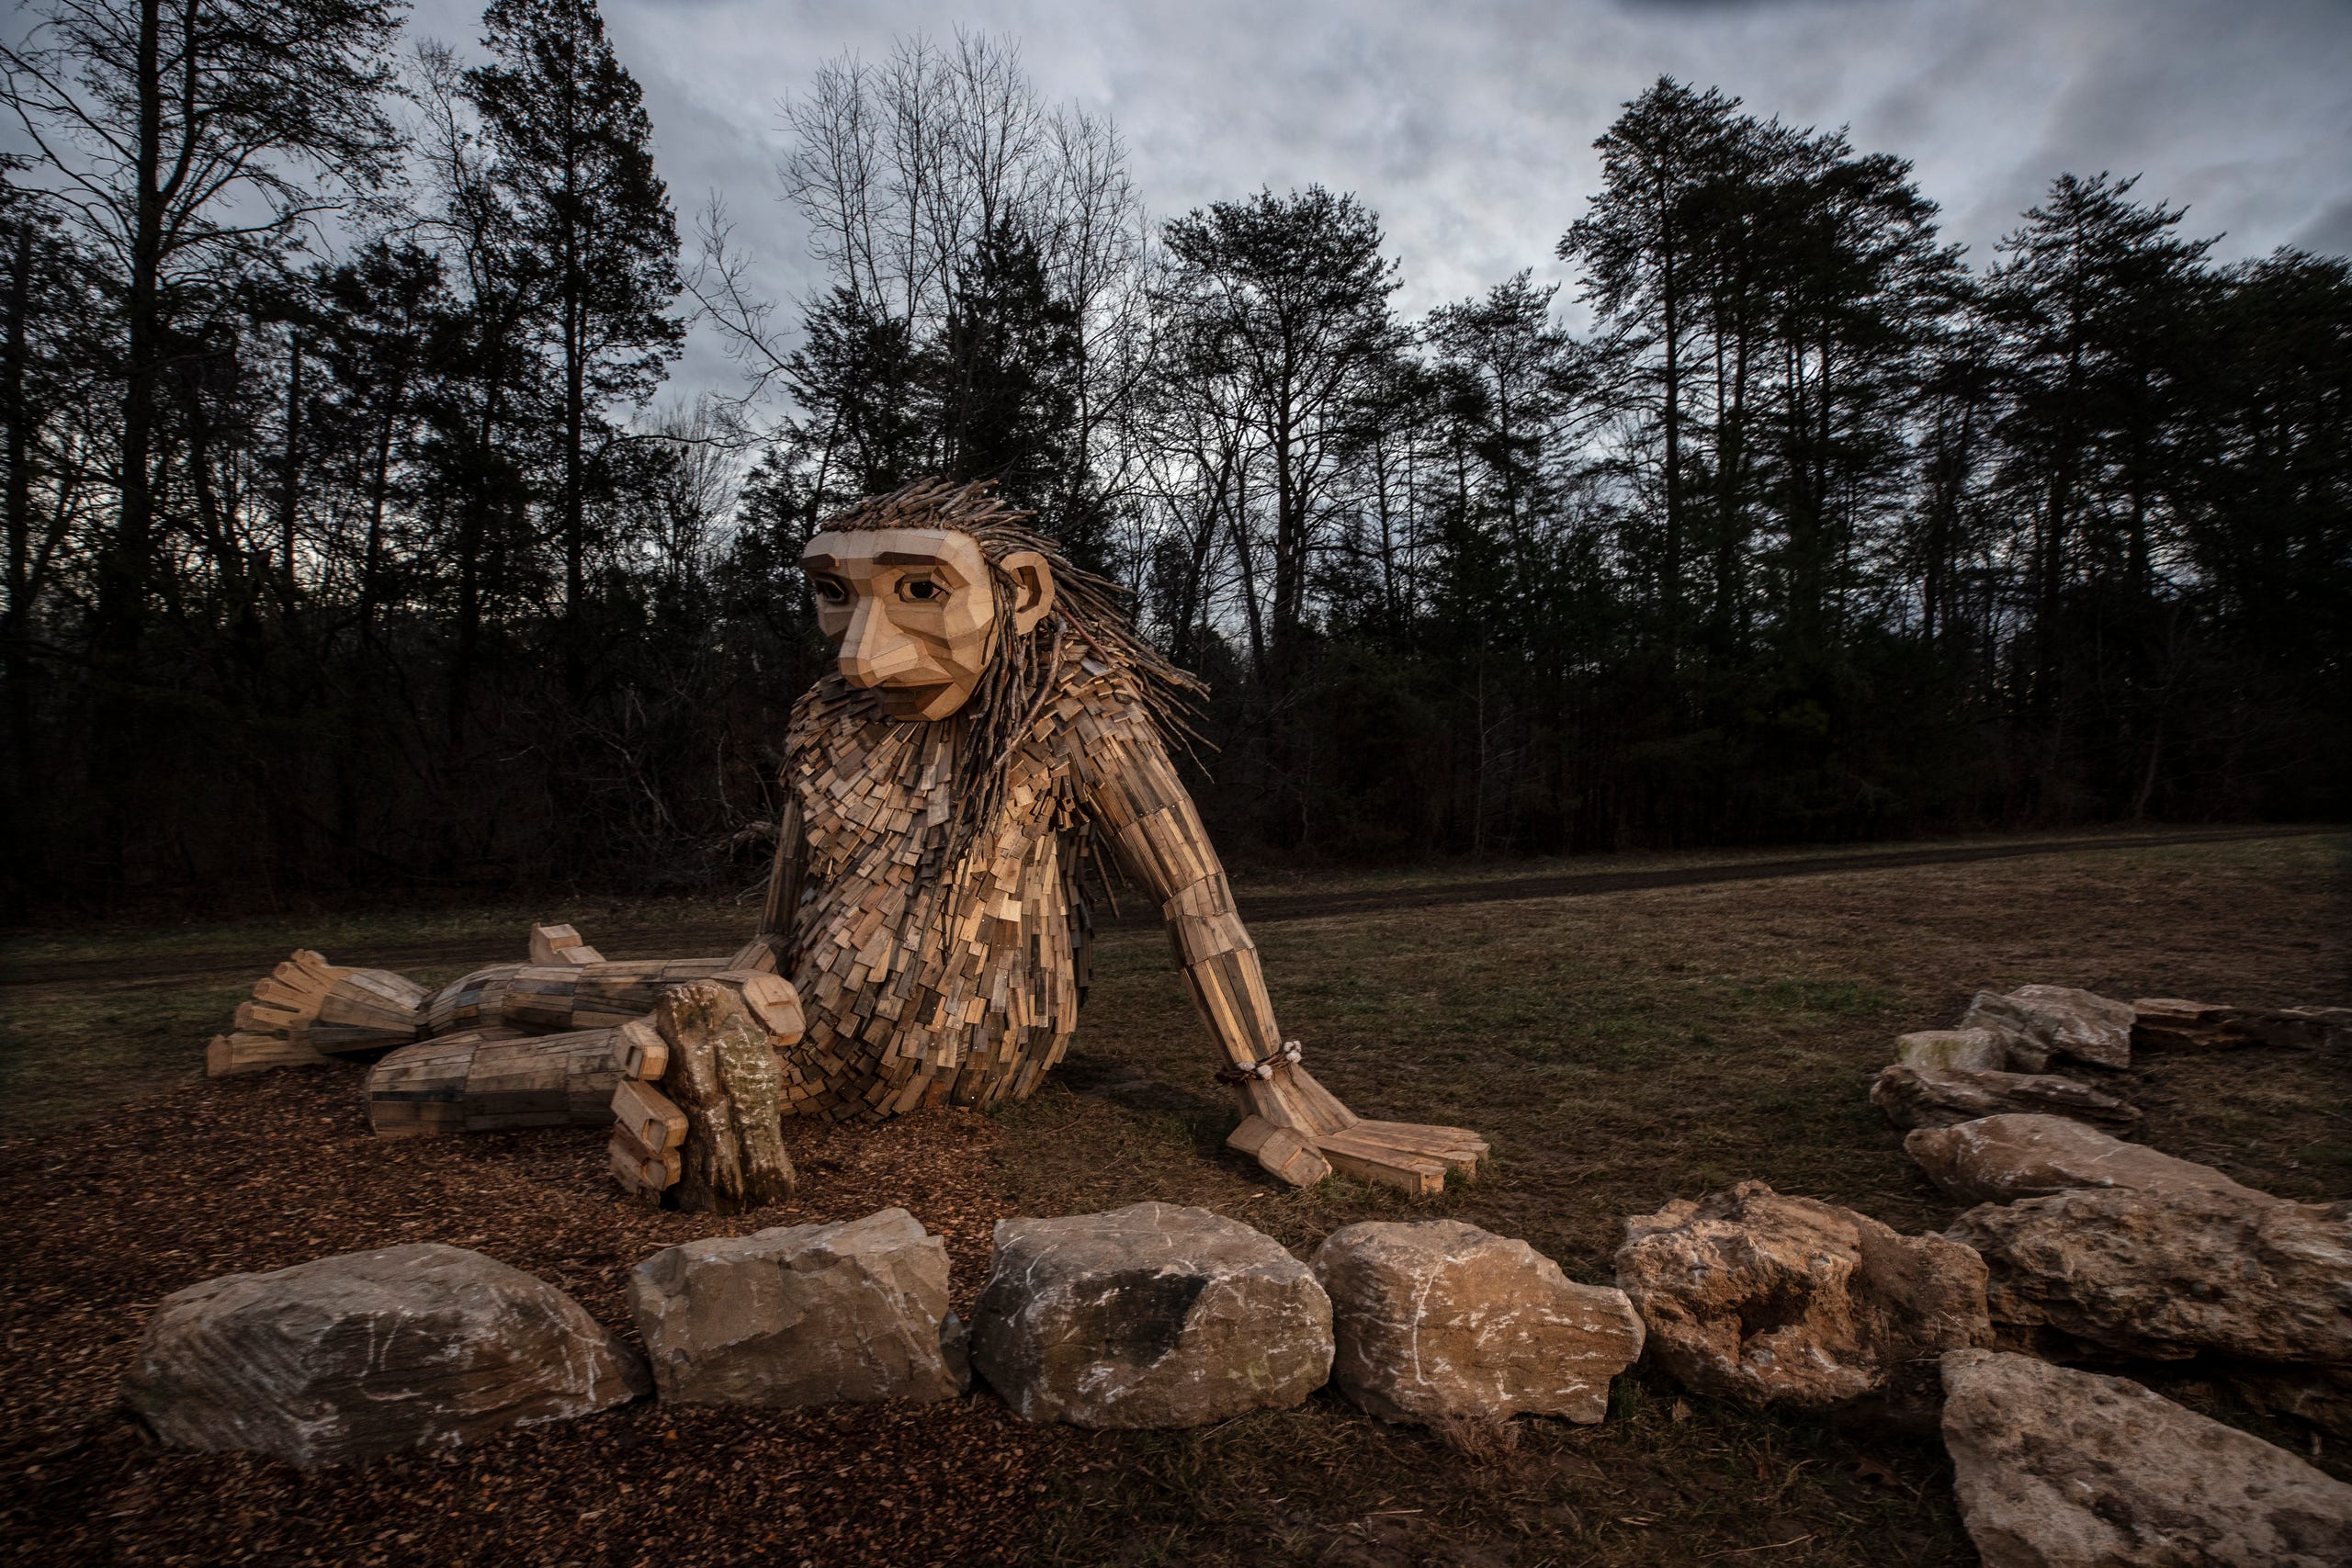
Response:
column 829, row 590
column 922, row 590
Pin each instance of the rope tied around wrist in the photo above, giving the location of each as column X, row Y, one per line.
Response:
column 1284, row 1055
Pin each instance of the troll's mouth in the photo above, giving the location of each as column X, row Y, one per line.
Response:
column 909, row 699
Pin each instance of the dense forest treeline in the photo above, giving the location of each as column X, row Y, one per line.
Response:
column 351, row 546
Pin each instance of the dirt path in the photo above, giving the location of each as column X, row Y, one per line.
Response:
column 1576, row 885
column 625, row 941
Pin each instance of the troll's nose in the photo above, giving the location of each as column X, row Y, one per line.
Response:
column 872, row 650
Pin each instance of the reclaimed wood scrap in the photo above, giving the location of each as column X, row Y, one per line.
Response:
column 759, row 955
column 494, row 1080
column 313, row 964
column 421, row 1088
column 301, row 1016
column 364, row 1011
column 559, row 998
column 523, row 1082
column 642, row 1171
column 1353, row 1154
column 369, row 995
column 474, row 1000
column 1320, row 1108
column 560, row 944
column 1281, row 1150
column 1458, row 1147
column 725, row 1077
column 292, row 992
column 782, row 901
column 897, row 959
column 257, row 1016
column 638, row 1050
column 247, row 1051
column 772, row 1002
column 651, row 1117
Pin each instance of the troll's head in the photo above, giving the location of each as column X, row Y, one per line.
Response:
column 939, row 601
column 924, row 590
column 944, row 606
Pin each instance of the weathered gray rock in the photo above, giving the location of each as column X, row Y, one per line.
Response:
column 1151, row 1316
column 1977, row 1049
column 2169, row 1023
column 2060, row 1469
column 801, row 1314
column 1945, row 1097
column 1751, row 1296
column 1997, row 1159
column 1442, row 1319
column 370, row 1353
column 2044, row 1021
column 2166, row 1275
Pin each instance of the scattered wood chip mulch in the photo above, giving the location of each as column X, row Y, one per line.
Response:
column 244, row 1175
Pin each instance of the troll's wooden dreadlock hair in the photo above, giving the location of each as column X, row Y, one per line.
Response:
column 1024, row 671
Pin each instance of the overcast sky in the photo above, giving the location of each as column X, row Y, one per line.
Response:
column 1469, row 126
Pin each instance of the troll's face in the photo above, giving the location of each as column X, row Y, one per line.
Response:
column 915, row 615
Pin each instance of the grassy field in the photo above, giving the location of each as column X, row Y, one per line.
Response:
column 1619, row 1051
column 1625, row 1050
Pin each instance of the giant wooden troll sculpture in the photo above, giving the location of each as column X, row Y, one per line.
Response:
column 923, row 938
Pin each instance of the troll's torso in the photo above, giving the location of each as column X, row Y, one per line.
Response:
column 962, row 988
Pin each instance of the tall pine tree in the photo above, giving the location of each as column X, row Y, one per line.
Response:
column 575, row 161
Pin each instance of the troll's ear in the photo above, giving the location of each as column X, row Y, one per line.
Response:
column 1033, row 588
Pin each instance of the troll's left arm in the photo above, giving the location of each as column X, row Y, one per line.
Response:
column 1293, row 1126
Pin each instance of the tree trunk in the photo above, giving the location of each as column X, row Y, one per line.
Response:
column 23, row 808
column 724, row 1075
column 1670, row 307
column 289, row 489
column 575, row 547
column 474, row 510
column 123, row 582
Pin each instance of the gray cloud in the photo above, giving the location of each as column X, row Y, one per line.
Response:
column 2331, row 232
column 1469, row 127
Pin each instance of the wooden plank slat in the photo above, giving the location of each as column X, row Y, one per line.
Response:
column 1281, row 1151
column 1456, row 1146
column 651, row 1170
column 1354, row 1155
column 649, row 1115
column 640, row 1051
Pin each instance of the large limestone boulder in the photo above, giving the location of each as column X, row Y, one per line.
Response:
column 801, row 1314
column 1997, row 1159
column 370, row 1353
column 1975, row 1049
column 1945, row 1097
column 2166, row 1275
column 2060, row 1469
column 1751, row 1296
column 1151, row 1316
column 1442, row 1319
column 2044, row 1022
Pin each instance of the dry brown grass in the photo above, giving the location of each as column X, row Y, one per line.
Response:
column 1620, row 1050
